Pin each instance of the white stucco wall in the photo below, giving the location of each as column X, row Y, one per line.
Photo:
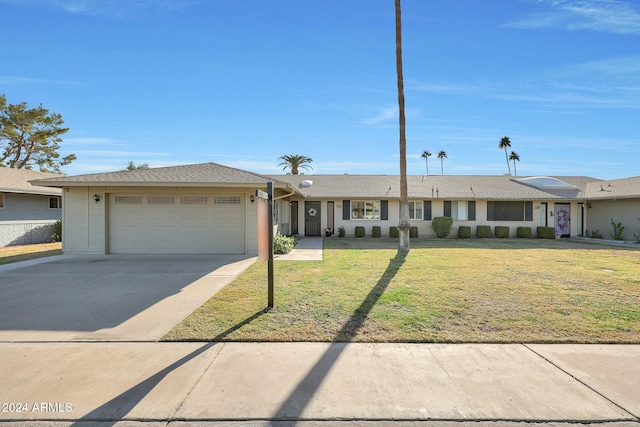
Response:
column 625, row 211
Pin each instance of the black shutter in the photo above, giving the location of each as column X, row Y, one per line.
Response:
column 528, row 211
column 426, row 210
column 471, row 210
column 384, row 210
column 346, row 210
column 447, row 208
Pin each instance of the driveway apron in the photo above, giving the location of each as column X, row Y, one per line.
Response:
column 109, row 297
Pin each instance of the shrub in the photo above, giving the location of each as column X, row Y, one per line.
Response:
column 546, row 233
column 359, row 231
column 442, row 225
column 413, row 231
column 376, row 231
column 464, row 232
column 483, row 231
column 502, row 231
column 283, row 244
column 56, row 230
column 341, row 232
column 393, row 232
column 523, row 232
column 617, row 230
column 595, row 234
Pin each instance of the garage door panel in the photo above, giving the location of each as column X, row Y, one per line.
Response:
column 200, row 225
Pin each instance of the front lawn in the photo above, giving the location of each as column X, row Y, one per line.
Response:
column 11, row 254
column 476, row 290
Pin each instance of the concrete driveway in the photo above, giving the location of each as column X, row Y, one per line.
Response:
column 108, row 297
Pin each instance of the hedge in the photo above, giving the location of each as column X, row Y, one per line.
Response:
column 393, row 232
column 464, row 232
column 545, row 233
column 442, row 225
column 502, row 231
column 483, row 231
column 413, row 232
column 376, row 231
column 359, row 231
column 523, row 232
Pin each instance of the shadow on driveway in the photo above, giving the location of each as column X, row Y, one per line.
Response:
column 109, row 297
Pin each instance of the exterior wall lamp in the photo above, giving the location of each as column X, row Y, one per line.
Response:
column 253, row 199
column 96, row 197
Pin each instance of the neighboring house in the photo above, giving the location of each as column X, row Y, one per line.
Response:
column 617, row 200
column 211, row 208
column 27, row 211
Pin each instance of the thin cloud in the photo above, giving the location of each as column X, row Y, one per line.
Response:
column 609, row 16
column 383, row 115
column 110, row 8
column 14, row 80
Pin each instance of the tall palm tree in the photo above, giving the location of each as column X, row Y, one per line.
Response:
column 442, row 155
column 505, row 143
column 294, row 162
column 404, row 223
column 516, row 158
column 425, row 155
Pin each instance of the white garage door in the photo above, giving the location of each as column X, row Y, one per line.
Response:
column 157, row 223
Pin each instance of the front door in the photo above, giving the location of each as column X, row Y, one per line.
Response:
column 312, row 218
column 562, row 215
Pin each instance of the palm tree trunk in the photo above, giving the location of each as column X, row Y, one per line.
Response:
column 506, row 156
column 404, row 224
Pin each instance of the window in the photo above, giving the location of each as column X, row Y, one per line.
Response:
column 415, row 210
column 509, row 211
column 193, row 200
column 161, row 200
column 460, row 210
column 427, row 210
column 226, row 200
column 365, row 209
column 128, row 200
column 55, row 203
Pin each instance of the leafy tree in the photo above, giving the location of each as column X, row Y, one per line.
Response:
column 425, row 155
column 294, row 162
column 404, row 224
column 505, row 143
column 132, row 166
column 515, row 158
column 442, row 155
column 31, row 137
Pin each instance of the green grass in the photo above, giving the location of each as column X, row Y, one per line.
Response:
column 11, row 254
column 472, row 290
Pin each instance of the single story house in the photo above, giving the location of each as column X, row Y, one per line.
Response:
column 27, row 211
column 211, row 208
column 617, row 200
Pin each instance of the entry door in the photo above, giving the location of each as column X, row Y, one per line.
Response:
column 562, row 215
column 312, row 218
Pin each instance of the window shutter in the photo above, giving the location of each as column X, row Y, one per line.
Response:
column 447, row 208
column 528, row 211
column 471, row 210
column 346, row 210
column 384, row 210
column 426, row 210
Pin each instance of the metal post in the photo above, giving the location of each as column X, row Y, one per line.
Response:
column 270, row 303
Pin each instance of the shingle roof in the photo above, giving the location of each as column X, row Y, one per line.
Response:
column 626, row 188
column 17, row 181
column 488, row 187
column 203, row 174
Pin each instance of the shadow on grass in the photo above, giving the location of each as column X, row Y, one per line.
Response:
column 117, row 408
column 299, row 399
column 26, row 257
column 350, row 243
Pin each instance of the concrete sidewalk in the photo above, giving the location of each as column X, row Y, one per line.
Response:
column 317, row 384
column 307, row 249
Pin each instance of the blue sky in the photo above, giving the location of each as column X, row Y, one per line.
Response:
column 242, row 82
